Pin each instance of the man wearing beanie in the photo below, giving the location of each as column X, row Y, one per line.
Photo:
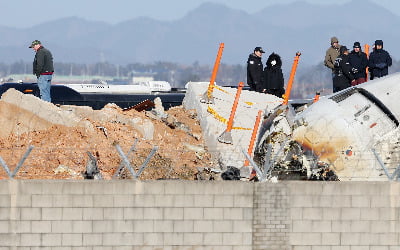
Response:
column 331, row 54
column 342, row 77
column 379, row 61
column 358, row 62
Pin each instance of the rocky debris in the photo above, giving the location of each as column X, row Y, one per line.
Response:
column 92, row 170
column 207, row 174
column 63, row 136
column 232, row 173
column 112, row 113
column 20, row 113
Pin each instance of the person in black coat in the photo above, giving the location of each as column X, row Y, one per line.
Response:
column 343, row 77
column 255, row 69
column 359, row 62
column 273, row 82
column 379, row 61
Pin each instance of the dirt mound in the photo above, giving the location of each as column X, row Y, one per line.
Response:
column 61, row 152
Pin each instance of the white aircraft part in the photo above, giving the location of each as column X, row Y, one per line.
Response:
column 141, row 88
column 342, row 129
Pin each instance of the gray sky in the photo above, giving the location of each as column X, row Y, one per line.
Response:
column 26, row 13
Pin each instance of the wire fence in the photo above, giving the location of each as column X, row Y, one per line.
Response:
column 113, row 162
column 162, row 162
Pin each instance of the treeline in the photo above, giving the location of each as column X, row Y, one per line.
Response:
column 308, row 80
column 177, row 74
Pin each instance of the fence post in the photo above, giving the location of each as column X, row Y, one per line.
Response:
column 291, row 78
column 253, row 136
column 316, row 97
column 366, row 50
column 226, row 136
column 207, row 96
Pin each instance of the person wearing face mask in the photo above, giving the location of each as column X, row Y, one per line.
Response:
column 273, row 81
column 379, row 61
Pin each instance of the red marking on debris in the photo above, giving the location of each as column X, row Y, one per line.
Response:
column 372, row 125
column 349, row 152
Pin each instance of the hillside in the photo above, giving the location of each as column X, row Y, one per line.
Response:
column 284, row 28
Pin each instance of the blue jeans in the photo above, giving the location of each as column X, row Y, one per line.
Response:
column 44, row 82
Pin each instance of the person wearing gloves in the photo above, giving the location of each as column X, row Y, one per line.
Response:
column 273, row 81
column 379, row 61
column 359, row 62
column 343, row 77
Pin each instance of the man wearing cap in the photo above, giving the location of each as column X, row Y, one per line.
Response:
column 255, row 69
column 358, row 62
column 43, row 69
column 379, row 61
column 342, row 77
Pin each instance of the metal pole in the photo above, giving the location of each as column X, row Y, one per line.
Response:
column 125, row 160
column 381, row 163
column 226, row 136
column 253, row 136
column 28, row 151
column 291, row 78
column 207, row 97
column 121, row 165
column 141, row 168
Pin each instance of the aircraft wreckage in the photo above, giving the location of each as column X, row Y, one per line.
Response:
column 349, row 135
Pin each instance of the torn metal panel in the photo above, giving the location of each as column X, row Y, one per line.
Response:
column 335, row 136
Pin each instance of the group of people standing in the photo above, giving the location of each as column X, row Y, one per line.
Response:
column 268, row 80
column 350, row 68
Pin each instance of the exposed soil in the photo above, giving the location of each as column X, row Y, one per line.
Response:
column 62, row 152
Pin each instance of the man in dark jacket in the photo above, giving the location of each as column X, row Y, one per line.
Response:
column 255, row 69
column 273, row 82
column 379, row 61
column 358, row 62
column 342, row 71
column 43, row 69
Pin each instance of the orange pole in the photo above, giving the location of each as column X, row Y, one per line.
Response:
column 226, row 136
column 291, row 78
column 215, row 70
column 366, row 50
column 234, row 107
column 253, row 136
column 316, row 97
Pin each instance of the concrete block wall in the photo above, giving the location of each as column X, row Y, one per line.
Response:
column 44, row 214
column 125, row 215
column 344, row 215
column 271, row 222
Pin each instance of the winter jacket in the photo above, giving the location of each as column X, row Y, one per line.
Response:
column 273, row 81
column 358, row 62
column 331, row 54
column 43, row 62
column 254, row 71
column 379, row 63
column 342, row 73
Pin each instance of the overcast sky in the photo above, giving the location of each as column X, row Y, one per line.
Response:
column 26, row 13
